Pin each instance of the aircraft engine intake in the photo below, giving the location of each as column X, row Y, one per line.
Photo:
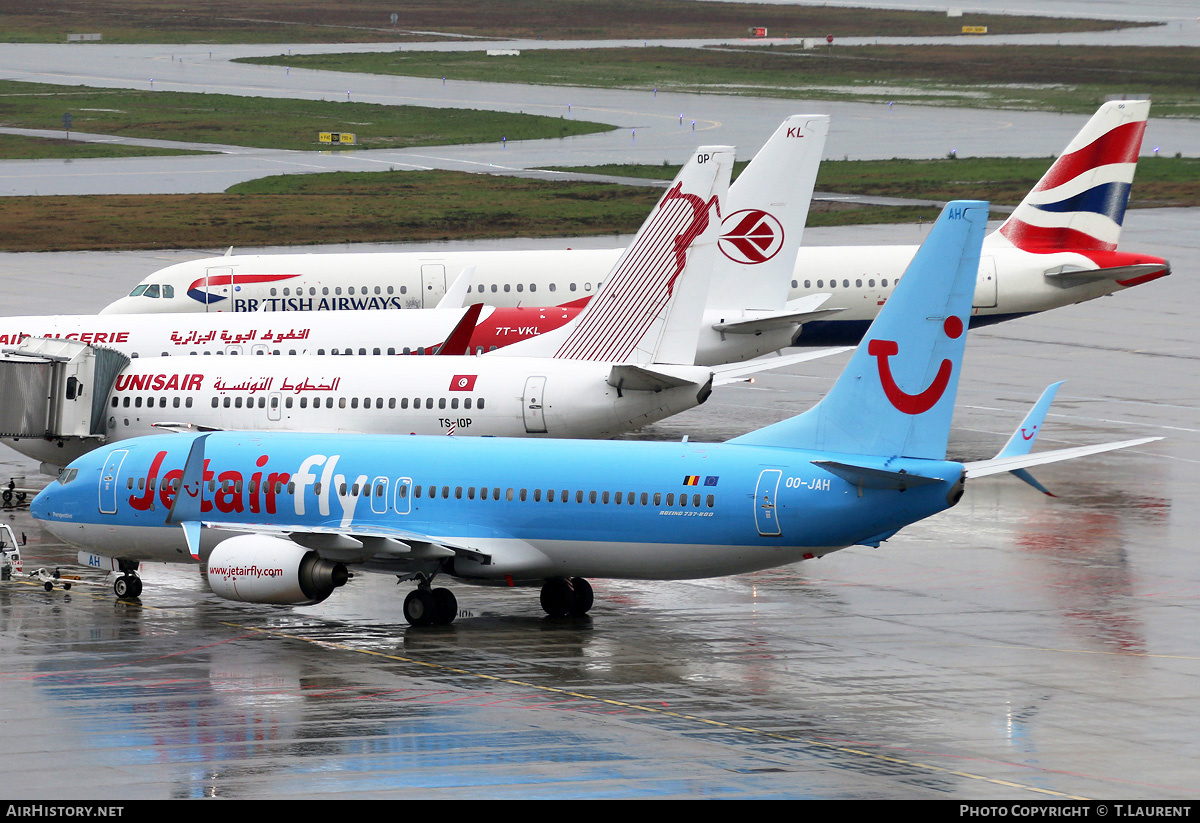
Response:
column 257, row 569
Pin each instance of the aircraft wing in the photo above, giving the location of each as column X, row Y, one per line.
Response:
column 736, row 372
column 982, row 468
column 359, row 543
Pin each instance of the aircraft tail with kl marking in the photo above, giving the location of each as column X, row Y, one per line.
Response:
column 896, row 395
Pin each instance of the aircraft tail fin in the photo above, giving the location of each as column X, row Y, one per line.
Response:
column 651, row 305
column 1080, row 202
column 765, row 215
column 915, row 345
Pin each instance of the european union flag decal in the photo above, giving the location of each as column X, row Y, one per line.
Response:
column 710, row 481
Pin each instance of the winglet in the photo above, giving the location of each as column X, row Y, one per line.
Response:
column 185, row 507
column 458, row 342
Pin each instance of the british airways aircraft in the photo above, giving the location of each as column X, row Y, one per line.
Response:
column 866, row 461
column 747, row 312
column 625, row 361
column 1058, row 248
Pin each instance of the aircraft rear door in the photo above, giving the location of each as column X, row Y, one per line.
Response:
column 766, row 516
column 433, row 284
column 986, row 287
column 109, row 480
column 534, row 404
column 274, row 401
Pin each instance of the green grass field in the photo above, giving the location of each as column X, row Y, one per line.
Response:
column 344, row 21
column 265, row 122
column 395, row 206
column 1160, row 181
column 1067, row 78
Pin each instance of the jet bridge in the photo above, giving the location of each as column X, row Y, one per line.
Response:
column 54, row 390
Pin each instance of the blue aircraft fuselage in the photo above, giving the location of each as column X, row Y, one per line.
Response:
column 537, row 509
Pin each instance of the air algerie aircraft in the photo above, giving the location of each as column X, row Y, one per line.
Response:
column 1058, row 248
column 279, row 518
column 625, row 361
column 747, row 313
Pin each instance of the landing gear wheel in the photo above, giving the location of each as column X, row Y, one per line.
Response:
column 583, row 596
column 445, row 606
column 48, row 586
column 420, row 608
column 66, row 587
column 557, row 598
column 127, row 587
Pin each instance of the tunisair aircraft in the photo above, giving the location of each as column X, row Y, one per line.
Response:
column 280, row 518
column 627, row 360
column 1059, row 247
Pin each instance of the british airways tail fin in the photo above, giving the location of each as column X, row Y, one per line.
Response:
column 651, row 305
column 1080, row 202
column 896, row 395
column 763, row 221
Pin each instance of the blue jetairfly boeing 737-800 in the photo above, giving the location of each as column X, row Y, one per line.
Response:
column 866, row 461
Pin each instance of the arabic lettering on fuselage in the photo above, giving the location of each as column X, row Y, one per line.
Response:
column 251, row 386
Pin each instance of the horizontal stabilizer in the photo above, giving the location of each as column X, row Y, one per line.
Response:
column 1067, row 276
column 735, row 372
column 982, row 468
column 868, row 478
column 757, row 322
column 630, row 377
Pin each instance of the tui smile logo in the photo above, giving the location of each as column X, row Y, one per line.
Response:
column 924, row 400
column 750, row 236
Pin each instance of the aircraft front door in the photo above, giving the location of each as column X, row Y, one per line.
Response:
column 217, row 283
column 534, row 405
column 433, row 284
column 109, row 480
column 766, row 517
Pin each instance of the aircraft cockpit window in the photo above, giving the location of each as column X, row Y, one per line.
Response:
column 137, row 290
column 151, row 291
column 168, row 292
column 67, row 476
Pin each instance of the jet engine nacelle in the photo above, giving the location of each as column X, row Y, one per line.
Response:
column 257, row 569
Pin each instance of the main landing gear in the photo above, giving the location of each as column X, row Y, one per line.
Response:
column 562, row 597
column 426, row 606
